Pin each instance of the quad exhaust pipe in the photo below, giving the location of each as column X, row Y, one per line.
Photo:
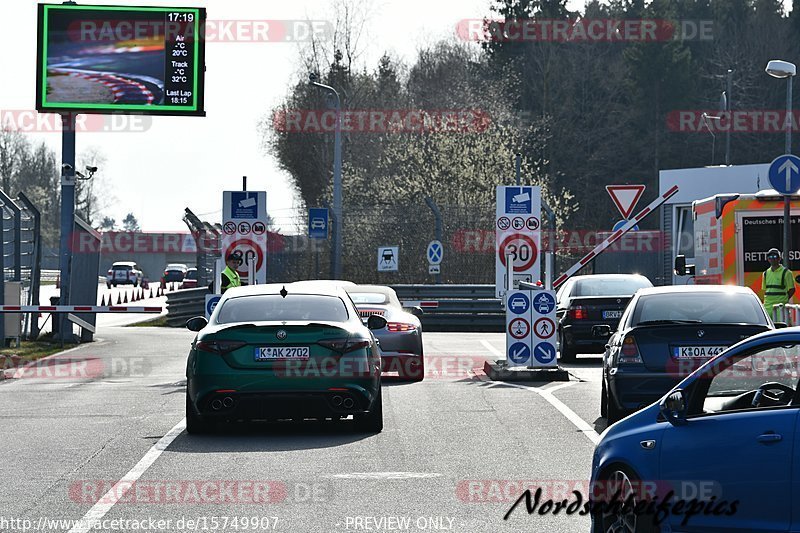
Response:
column 337, row 401
column 348, row 403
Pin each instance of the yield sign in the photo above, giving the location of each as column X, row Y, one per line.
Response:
column 625, row 197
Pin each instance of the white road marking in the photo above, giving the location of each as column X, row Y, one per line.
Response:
column 547, row 394
column 121, row 487
column 570, row 415
column 492, row 349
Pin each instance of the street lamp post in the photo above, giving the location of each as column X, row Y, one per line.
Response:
column 337, row 179
column 783, row 69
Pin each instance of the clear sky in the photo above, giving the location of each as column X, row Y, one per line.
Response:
column 188, row 162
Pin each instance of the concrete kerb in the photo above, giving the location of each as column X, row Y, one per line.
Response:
column 499, row 371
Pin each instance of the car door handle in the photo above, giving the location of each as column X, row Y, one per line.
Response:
column 769, row 437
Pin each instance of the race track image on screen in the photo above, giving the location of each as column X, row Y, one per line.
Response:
column 111, row 59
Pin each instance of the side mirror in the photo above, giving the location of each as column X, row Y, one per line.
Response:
column 376, row 322
column 681, row 268
column 673, row 407
column 196, row 323
column 780, row 325
column 603, row 330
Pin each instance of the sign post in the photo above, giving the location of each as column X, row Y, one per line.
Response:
column 517, row 222
column 244, row 222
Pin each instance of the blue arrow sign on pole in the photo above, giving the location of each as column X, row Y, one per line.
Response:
column 784, row 174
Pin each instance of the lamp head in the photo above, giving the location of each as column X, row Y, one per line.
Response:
column 781, row 69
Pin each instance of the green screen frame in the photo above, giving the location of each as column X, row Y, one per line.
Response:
column 197, row 109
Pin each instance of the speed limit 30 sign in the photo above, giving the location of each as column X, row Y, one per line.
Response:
column 517, row 235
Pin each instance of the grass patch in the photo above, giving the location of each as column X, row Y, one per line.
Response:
column 157, row 322
column 33, row 350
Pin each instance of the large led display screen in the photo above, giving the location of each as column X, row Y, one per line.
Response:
column 113, row 59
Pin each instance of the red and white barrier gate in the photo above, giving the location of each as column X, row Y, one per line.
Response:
column 614, row 237
column 78, row 309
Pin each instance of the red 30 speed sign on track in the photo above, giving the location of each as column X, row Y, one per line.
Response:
column 522, row 248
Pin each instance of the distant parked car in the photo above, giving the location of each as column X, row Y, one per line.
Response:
column 584, row 302
column 124, row 273
column 190, row 279
column 668, row 332
column 175, row 272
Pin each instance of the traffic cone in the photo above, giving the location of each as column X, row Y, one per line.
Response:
column 135, row 296
column 103, row 301
column 151, row 292
column 119, row 299
column 125, row 300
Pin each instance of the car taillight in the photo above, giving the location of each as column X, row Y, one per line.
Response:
column 629, row 354
column 578, row 313
column 110, row 272
column 344, row 345
column 399, row 326
column 165, row 272
column 219, row 347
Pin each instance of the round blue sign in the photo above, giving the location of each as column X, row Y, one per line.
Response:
column 784, row 174
column 545, row 353
column 518, row 303
column 519, row 352
column 621, row 223
column 544, row 303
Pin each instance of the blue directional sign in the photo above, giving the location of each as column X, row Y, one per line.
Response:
column 518, row 303
column 544, row 303
column 435, row 253
column 621, row 223
column 211, row 302
column 784, row 174
column 317, row 223
column 544, row 352
column 519, row 352
column 519, row 200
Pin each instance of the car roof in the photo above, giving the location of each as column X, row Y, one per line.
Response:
column 123, row 263
column 609, row 276
column 297, row 287
column 671, row 289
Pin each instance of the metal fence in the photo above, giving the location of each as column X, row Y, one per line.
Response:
column 21, row 259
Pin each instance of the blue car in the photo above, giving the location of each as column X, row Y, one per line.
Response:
column 665, row 333
column 720, row 452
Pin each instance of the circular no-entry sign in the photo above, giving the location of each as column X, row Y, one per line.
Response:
column 522, row 248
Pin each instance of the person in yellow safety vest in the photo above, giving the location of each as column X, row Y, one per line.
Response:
column 230, row 277
column 778, row 282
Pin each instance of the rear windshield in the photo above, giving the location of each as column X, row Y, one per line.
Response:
column 710, row 307
column 122, row 267
column 610, row 287
column 176, row 267
column 274, row 307
column 367, row 297
column 191, row 274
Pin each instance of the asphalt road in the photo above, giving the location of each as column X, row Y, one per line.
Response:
column 454, row 452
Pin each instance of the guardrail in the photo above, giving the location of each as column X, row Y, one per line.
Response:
column 459, row 307
column 184, row 304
